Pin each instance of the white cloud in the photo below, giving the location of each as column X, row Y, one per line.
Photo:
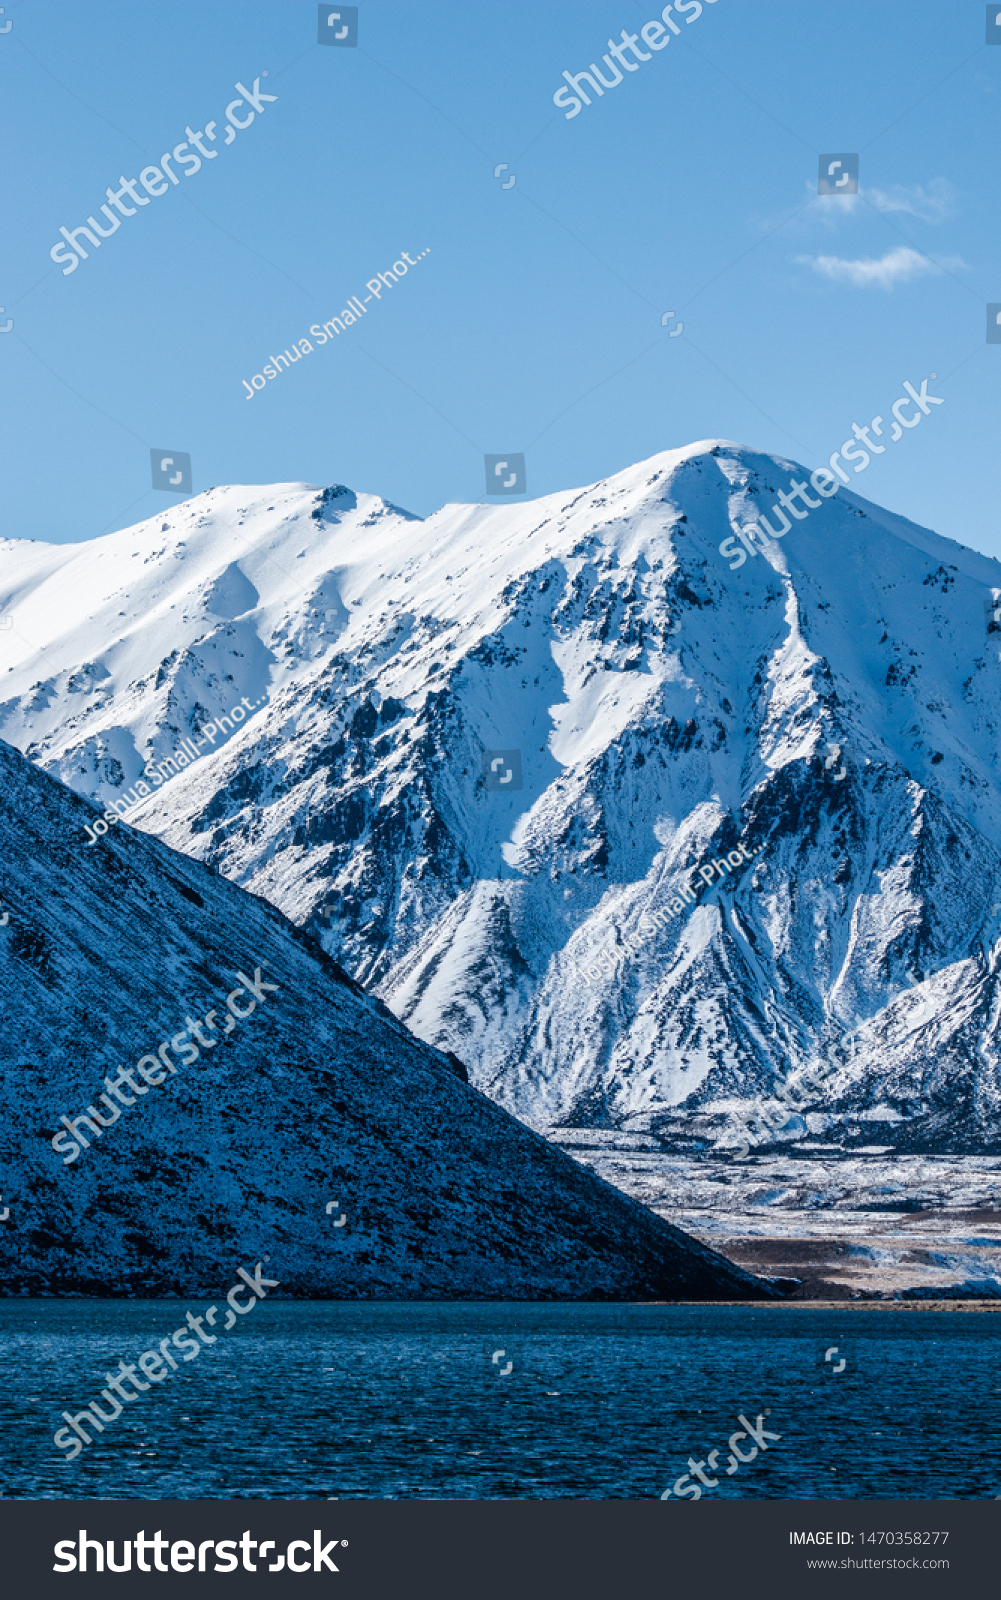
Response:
column 897, row 266
column 932, row 204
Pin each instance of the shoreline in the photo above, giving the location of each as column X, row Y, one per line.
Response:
column 827, row 1305
column 76, row 1298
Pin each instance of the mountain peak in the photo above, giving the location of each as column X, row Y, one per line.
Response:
column 478, row 751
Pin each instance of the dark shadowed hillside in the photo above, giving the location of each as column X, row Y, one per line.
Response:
column 122, row 952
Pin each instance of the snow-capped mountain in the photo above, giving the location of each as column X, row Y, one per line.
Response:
column 300, row 1123
column 827, row 713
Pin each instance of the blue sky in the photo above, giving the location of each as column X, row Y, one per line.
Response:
column 534, row 322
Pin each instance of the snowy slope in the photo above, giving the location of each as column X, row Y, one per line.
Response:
column 666, row 709
column 305, row 1094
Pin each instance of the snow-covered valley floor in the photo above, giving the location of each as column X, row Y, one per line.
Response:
column 873, row 1221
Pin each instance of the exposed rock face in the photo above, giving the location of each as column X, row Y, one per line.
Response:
column 301, row 1091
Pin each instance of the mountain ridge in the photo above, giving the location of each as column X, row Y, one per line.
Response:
column 666, row 711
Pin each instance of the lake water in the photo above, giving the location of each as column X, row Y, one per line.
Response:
column 305, row 1400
